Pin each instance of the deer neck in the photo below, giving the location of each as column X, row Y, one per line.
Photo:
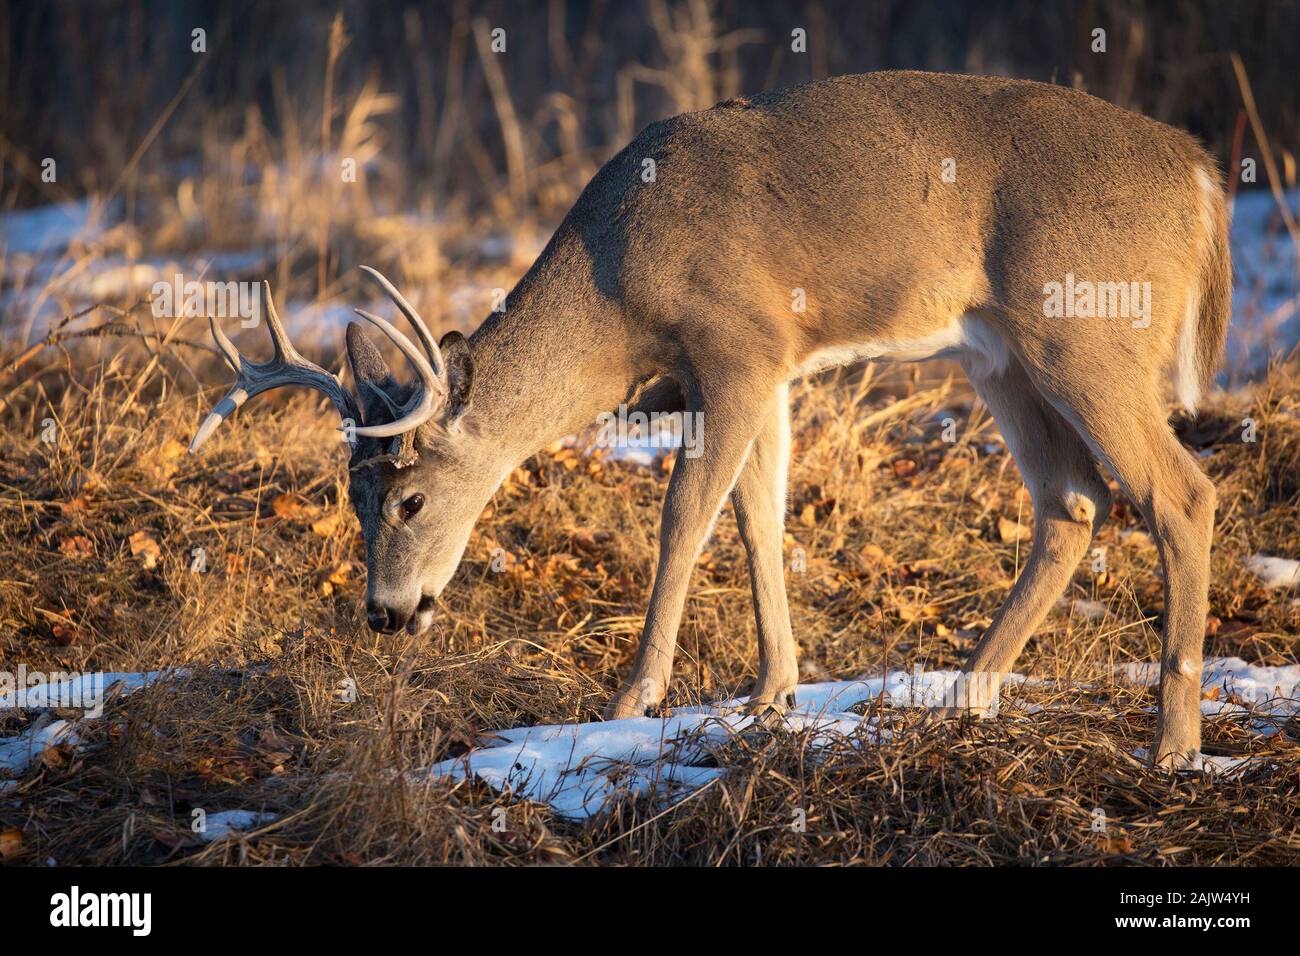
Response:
column 545, row 367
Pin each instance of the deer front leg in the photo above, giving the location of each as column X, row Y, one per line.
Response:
column 730, row 415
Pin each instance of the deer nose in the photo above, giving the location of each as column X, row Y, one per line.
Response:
column 382, row 619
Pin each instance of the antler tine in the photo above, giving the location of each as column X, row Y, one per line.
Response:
column 227, row 347
column 427, row 397
column 286, row 367
column 421, row 330
column 284, row 350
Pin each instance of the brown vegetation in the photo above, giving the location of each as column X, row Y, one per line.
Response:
column 911, row 541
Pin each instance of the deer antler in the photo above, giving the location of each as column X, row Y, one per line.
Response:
column 421, row 330
column 288, row 367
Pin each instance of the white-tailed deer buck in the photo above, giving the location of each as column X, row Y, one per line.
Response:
column 1068, row 253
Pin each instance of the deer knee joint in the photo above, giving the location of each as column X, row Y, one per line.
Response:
column 1079, row 507
column 1088, row 506
column 1185, row 667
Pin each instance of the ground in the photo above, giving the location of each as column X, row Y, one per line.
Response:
column 904, row 537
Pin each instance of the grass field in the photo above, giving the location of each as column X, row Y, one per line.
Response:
column 909, row 542
column 241, row 570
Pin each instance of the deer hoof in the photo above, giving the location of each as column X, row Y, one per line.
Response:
column 1168, row 757
column 769, row 712
column 627, row 704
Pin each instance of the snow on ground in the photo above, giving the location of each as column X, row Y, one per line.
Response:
column 1275, row 572
column 579, row 768
column 1268, row 695
column 1272, row 687
column 48, row 228
column 229, row 823
column 576, row 768
column 78, row 689
column 1266, row 286
column 85, row 691
column 17, row 753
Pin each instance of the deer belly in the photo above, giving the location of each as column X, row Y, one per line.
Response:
column 969, row 336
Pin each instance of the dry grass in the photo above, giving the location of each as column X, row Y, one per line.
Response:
column 910, row 542
column 910, row 545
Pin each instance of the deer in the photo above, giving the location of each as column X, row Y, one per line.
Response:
column 922, row 216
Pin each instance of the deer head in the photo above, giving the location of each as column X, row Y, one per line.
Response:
column 419, row 473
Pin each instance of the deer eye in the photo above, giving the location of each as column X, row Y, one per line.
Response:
column 411, row 506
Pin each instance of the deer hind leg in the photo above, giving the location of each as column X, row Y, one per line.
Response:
column 1177, row 502
column 759, row 502
column 733, row 408
column 1070, row 501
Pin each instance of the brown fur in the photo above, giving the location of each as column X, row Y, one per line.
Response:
column 837, row 189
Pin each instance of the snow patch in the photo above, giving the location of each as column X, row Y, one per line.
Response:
column 229, row 823
column 579, row 768
column 1211, row 763
column 47, row 228
column 18, row 753
column 1276, row 689
column 81, row 687
column 1265, row 288
column 1274, row 572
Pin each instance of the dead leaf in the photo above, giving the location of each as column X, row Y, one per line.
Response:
column 287, row 506
column 165, row 458
column 1010, row 531
column 11, row 843
column 1136, row 539
column 74, row 506
column 337, row 578
column 583, row 540
column 326, row 526
column 77, row 546
column 909, row 611
column 1235, row 632
column 874, row 555
column 1119, row 844
column 920, row 569
column 172, row 448
column 145, row 546
column 56, row 756
column 65, row 635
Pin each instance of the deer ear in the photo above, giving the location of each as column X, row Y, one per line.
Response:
column 460, row 374
column 375, row 383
